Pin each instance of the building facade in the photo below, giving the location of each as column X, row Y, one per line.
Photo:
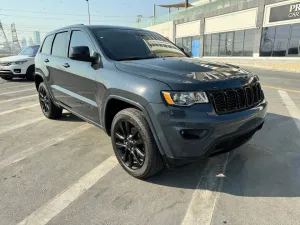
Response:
column 36, row 37
column 245, row 28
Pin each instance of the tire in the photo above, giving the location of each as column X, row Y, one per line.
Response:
column 30, row 73
column 133, row 120
column 6, row 78
column 50, row 110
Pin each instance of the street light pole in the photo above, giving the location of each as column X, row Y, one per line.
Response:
column 89, row 11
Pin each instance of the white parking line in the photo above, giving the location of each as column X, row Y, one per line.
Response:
column 25, row 85
column 12, row 92
column 15, row 99
column 56, row 205
column 291, row 106
column 204, row 199
column 33, row 150
column 18, row 109
column 28, row 122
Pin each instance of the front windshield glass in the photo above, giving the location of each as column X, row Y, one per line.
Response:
column 31, row 51
column 130, row 45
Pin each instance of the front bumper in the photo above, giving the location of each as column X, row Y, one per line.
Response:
column 13, row 71
column 190, row 133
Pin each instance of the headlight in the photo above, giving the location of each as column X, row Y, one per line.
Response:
column 185, row 98
column 19, row 62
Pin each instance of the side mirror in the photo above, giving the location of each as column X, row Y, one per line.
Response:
column 80, row 53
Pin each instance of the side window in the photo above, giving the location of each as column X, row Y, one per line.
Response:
column 46, row 49
column 79, row 38
column 60, row 44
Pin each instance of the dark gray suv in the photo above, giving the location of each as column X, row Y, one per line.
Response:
column 159, row 106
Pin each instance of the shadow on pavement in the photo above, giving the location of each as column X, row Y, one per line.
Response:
column 69, row 117
column 267, row 166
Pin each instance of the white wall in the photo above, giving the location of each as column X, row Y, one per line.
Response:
column 165, row 29
column 188, row 29
column 267, row 14
column 241, row 20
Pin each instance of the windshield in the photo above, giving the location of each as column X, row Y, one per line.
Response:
column 31, row 50
column 131, row 45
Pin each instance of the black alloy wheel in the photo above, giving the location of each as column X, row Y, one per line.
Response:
column 130, row 145
column 134, row 144
column 49, row 109
column 44, row 100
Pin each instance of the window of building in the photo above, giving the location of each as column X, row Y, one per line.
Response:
column 178, row 42
column 238, row 44
column 207, row 45
column 223, row 44
column 46, row 49
column 187, row 45
column 281, row 41
column 60, row 44
column 196, row 46
column 79, row 38
column 249, row 42
column 215, row 41
column 294, row 48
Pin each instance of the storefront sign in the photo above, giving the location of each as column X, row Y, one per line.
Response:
column 285, row 12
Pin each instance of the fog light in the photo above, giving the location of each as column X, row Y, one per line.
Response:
column 193, row 134
column 17, row 70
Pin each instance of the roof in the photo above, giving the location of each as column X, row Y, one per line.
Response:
column 94, row 26
column 178, row 5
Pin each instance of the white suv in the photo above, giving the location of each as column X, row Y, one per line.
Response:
column 21, row 65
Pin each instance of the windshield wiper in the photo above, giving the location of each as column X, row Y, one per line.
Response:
column 137, row 58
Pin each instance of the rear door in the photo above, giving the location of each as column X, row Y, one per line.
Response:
column 78, row 79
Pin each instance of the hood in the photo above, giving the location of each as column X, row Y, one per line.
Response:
column 15, row 58
column 188, row 73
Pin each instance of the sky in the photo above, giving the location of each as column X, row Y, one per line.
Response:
column 47, row 15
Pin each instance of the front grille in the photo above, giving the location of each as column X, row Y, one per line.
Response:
column 231, row 100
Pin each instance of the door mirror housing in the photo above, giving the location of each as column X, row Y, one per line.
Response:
column 80, row 53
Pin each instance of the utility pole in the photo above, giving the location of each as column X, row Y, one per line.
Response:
column 16, row 48
column 4, row 45
column 89, row 11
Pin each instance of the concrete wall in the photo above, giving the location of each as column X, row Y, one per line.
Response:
column 242, row 20
column 165, row 29
column 188, row 29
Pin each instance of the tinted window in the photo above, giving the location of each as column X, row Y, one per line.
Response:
column 215, row 45
column 79, row 38
column 60, row 44
column 249, row 42
column 238, row 45
column 46, row 49
column 294, row 48
column 267, row 41
column 129, row 44
column 207, row 45
column 31, row 50
column 281, row 40
column 229, row 44
column 223, row 44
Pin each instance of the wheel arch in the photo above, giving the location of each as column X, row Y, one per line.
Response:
column 130, row 104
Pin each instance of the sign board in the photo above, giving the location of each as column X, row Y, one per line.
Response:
column 285, row 12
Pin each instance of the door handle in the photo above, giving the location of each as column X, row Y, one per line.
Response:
column 46, row 60
column 66, row 65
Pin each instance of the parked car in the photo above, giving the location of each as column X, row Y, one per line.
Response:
column 158, row 105
column 21, row 65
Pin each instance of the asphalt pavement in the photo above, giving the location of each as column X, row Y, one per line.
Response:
column 64, row 171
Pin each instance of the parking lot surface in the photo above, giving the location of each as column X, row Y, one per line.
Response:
column 64, row 171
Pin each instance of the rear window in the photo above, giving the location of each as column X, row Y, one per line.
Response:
column 46, row 49
column 60, row 44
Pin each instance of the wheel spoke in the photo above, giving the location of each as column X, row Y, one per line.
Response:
column 123, row 129
column 120, row 145
column 136, row 159
column 124, row 157
column 130, row 161
column 139, row 141
column 140, row 153
column 47, row 107
column 127, row 127
column 120, row 136
column 41, row 95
